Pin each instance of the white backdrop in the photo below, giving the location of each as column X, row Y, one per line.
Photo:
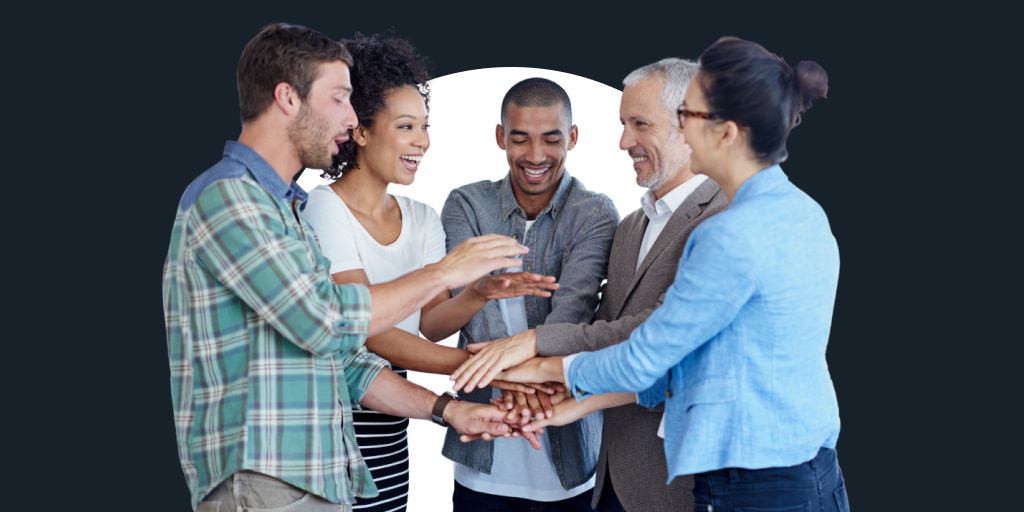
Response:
column 464, row 109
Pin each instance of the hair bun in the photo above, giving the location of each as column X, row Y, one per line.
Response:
column 812, row 81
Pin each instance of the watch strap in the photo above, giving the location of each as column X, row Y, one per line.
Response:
column 436, row 414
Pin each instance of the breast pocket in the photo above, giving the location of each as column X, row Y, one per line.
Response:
column 551, row 265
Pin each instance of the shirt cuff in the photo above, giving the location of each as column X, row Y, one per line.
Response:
column 566, row 363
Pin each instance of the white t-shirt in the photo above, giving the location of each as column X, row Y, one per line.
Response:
column 348, row 245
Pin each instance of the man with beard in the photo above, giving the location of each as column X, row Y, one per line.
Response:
column 569, row 232
column 644, row 258
column 266, row 351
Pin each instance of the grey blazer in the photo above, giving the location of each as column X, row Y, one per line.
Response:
column 631, row 450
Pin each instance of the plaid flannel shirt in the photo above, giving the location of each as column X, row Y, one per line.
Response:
column 266, row 351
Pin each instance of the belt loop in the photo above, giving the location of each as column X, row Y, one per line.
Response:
column 734, row 475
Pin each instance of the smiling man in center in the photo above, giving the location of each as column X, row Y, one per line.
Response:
column 569, row 232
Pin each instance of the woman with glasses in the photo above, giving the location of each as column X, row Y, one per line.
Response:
column 737, row 349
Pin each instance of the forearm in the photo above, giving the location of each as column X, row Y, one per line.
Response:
column 414, row 353
column 596, row 403
column 393, row 301
column 565, row 339
column 451, row 315
column 391, row 394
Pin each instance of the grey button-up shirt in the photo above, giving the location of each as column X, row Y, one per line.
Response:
column 570, row 240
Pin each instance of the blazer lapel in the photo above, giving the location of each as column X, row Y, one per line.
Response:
column 622, row 261
column 687, row 213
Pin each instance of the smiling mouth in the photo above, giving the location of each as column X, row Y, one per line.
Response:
column 535, row 172
column 638, row 159
column 411, row 161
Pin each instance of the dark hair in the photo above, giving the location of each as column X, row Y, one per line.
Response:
column 743, row 82
column 380, row 65
column 536, row 92
column 282, row 53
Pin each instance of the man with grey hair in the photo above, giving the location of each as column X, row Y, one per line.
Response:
column 645, row 253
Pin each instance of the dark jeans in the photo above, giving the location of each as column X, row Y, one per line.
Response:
column 609, row 500
column 468, row 500
column 814, row 486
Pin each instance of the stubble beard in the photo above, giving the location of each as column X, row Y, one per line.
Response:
column 309, row 135
column 660, row 177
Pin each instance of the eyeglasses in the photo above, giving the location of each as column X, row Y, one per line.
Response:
column 684, row 113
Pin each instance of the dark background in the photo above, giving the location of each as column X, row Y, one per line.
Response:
column 115, row 110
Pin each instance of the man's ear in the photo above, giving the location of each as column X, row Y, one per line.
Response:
column 499, row 134
column 286, row 98
column 574, row 133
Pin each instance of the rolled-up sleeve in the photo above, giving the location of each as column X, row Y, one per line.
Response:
column 360, row 368
column 239, row 237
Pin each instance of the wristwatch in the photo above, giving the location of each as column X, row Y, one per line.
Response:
column 438, row 411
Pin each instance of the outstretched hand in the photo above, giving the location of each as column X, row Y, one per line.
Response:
column 514, row 284
column 479, row 256
column 570, row 410
column 492, row 357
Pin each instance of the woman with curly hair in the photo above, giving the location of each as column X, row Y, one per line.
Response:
column 371, row 236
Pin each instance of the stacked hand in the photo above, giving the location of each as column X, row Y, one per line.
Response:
column 508, row 414
column 492, row 357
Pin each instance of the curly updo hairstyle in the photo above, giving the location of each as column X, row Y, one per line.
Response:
column 379, row 65
column 744, row 83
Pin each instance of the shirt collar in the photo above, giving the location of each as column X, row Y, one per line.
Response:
column 510, row 205
column 761, row 180
column 264, row 174
column 671, row 201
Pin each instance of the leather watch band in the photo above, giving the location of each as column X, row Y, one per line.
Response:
column 436, row 414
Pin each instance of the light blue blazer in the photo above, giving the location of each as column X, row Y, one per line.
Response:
column 737, row 350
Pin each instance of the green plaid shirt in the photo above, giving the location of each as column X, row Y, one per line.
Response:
column 266, row 352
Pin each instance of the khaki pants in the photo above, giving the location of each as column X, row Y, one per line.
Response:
column 256, row 492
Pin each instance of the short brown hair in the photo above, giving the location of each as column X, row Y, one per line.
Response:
column 282, row 53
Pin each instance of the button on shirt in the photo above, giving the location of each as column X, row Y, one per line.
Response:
column 266, row 351
column 569, row 240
